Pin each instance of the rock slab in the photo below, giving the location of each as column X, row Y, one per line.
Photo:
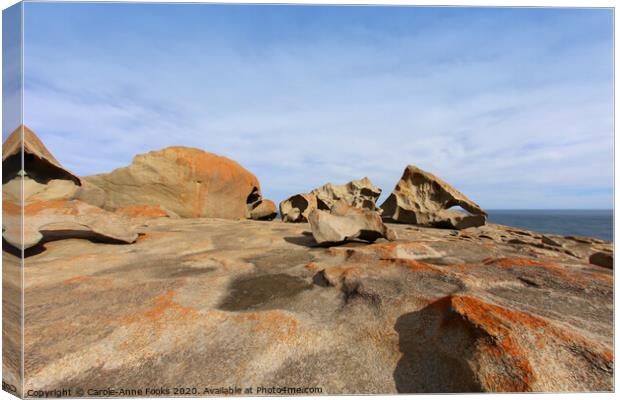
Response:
column 62, row 219
column 436, row 311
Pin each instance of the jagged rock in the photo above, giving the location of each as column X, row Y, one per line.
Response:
column 265, row 210
column 188, row 181
column 297, row 208
column 422, row 198
column 603, row 259
column 359, row 193
column 343, row 223
column 62, row 219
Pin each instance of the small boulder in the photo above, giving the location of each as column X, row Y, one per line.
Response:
column 62, row 219
column 344, row 223
column 359, row 193
column 602, row 259
column 421, row 198
column 264, row 211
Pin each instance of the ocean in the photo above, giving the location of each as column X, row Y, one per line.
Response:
column 593, row 223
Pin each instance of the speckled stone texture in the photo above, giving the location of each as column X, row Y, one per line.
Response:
column 212, row 302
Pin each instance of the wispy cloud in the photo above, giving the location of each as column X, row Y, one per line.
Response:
column 512, row 107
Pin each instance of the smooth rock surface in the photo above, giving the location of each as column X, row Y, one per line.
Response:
column 188, row 181
column 265, row 211
column 359, row 193
column 345, row 223
column 62, row 219
column 197, row 302
column 423, row 199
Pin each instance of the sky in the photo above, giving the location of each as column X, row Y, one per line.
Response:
column 512, row 106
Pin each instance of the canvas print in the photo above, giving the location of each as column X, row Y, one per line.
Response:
column 258, row 200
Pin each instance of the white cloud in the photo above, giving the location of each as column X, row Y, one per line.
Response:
column 299, row 117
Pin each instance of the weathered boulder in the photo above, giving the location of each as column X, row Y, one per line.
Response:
column 422, row 198
column 62, row 219
column 359, row 193
column 603, row 259
column 43, row 178
column 265, row 210
column 188, row 181
column 343, row 223
column 297, row 208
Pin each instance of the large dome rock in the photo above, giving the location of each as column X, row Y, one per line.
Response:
column 190, row 182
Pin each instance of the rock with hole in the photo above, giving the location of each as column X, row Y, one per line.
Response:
column 421, row 198
column 360, row 193
column 187, row 181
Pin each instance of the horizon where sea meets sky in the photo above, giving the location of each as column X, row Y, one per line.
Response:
column 512, row 106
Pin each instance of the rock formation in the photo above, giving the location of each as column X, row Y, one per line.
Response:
column 265, row 211
column 50, row 193
column 489, row 308
column 344, row 223
column 62, row 219
column 423, row 199
column 297, row 208
column 359, row 193
column 190, row 182
column 44, row 178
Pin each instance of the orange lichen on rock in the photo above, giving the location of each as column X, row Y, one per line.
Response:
column 143, row 210
column 312, row 267
column 493, row 318
column 497, row 326
column 506, row 262
column 413, row 265
column 59, row 207
column 163, row 307
column 77, row 279
column 273, row 322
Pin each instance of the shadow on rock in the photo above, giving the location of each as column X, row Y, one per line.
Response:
column 29, row 252
column 435, row 345
column 306, row 241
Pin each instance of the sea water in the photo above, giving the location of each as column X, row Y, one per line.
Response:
column 593, row 223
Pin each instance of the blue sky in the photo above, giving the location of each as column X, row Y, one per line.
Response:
column 514, row 107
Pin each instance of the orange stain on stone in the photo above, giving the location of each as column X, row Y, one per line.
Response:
column 142, row 211
column 163, row 307
column 276, row 323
